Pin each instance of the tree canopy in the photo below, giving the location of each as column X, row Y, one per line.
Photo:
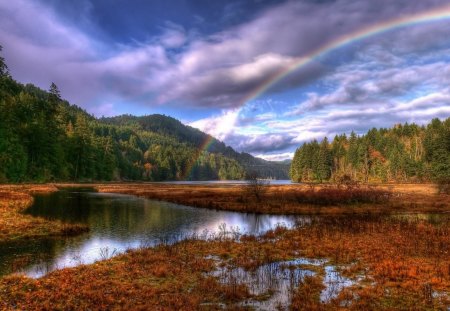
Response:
column 404, row 153
column 45, row 138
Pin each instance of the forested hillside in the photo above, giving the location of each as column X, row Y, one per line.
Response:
column 171, row 127
column 44, row 138
column 404, row 153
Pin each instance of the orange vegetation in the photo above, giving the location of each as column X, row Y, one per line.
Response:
column 14, row 225
column 399, row 263
column 294, row 199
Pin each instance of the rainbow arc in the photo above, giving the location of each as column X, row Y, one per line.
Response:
column 439, row 14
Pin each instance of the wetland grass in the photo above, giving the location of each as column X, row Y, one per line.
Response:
column 385, row 261
column 15, row 225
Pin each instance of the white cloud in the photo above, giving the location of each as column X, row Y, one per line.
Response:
column 387, row 79
column 104, row 110
column 174, row 36
column 219, row 126
column 277, row 156
column 220, row 70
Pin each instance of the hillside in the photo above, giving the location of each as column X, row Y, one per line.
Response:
column 170, row 127
column 45, row 138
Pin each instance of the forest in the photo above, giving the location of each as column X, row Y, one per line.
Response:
column 404, row 153
column 45, row 138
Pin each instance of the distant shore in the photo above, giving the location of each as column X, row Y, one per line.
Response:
column 293, row 199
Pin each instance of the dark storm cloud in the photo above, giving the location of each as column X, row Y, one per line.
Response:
column 218, row 54
column 271, row 142
column 219, row 69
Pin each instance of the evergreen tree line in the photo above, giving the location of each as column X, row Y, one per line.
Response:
column 170, row 127
column 404, row 153
column 44, row 138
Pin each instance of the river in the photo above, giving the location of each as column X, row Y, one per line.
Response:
column 118, row 223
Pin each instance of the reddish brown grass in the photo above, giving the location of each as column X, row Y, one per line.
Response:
column 402, row 263
column 295, row 199
column 15, row 225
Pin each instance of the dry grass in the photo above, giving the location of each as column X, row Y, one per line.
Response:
column 15, row 225
column 400, row 263
column 295, row 199
column 403, row 264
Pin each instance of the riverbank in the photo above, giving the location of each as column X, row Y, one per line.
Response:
column 384, row 263
column 294, row 199
column 271, row 199
column 14, row 225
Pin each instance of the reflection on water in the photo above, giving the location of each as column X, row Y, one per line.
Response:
column 272, row 285
column 227, row 182
column 119, row 222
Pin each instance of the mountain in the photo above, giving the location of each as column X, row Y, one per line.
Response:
column 45, row 138
column 170, row 127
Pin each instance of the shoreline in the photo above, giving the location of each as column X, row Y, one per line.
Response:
column 274, row 199
column 16, row 226
column 287, row 199
column 388, row 261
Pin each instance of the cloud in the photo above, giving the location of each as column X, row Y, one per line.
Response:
column 227, row 68
column 219, row 126
column 104, row 110
column 385, row 79
column 361, row 118
column 236, row 130
column 357, row 84
column 39, row 49
column 220, row 70
column 223, row 87
column 269, row 142
column 174, row 36
column 276, row 156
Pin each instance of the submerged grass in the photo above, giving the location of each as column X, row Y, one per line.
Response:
column 395, row 263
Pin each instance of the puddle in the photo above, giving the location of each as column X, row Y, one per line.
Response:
column 273, row 284
column 334, row 283
column 441, row 296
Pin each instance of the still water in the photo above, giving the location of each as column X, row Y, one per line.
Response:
column 228, row 182
column 117, row 223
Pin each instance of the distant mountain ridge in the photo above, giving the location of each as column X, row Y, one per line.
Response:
column 168, row 126
column 45, row 138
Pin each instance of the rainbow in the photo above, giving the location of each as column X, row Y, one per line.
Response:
column 429, row 16
column 434, row 15
column 203, row 147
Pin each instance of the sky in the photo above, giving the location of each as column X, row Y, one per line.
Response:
column 230, row 68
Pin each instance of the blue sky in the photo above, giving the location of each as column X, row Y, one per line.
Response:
column 200, row 61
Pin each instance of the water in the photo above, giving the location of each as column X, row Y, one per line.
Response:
column 118, row 223
column 277, row 281
column 227, row 182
